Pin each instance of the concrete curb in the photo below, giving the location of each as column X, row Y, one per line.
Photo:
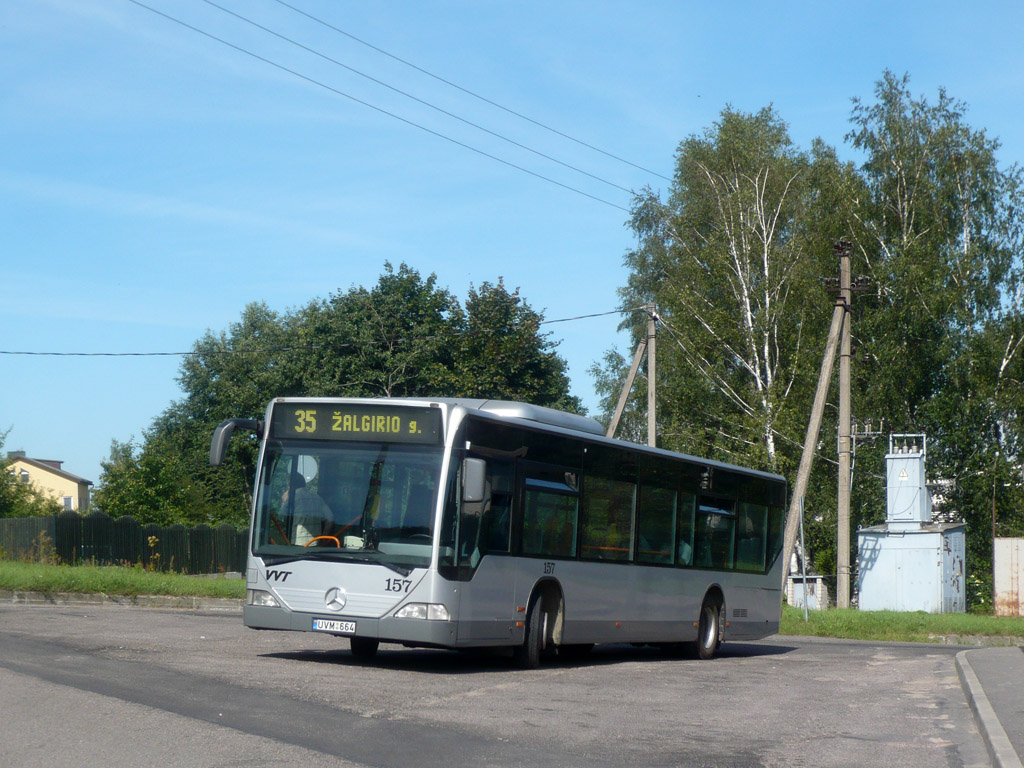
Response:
column 218, row 604
column 998, row 743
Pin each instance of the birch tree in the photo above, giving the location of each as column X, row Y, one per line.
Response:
column 942, row 346
column 941, row 238
column 733, row 259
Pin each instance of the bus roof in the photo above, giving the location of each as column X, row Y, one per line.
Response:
column 573, row 422
column 539, row 414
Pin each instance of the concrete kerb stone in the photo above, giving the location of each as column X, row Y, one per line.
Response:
column 998, row 743
column 183, row 602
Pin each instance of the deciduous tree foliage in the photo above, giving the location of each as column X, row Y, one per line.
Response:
column 733, row 258
column 498, row 354
column 405, row 336
column 940, row 235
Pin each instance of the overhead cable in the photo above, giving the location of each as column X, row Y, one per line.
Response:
column 418, row 100
column 471, row 93
column 332, row 89
column 298, row 348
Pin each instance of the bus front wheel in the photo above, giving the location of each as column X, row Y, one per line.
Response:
column 528, row 655
column 709, row 631
column 364, row 647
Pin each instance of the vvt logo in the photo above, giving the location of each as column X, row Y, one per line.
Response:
column 280, row 576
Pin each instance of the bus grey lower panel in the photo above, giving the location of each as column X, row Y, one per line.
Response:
column 750, row 630
column 413, row 631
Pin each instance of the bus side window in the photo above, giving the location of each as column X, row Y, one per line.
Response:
column 656, row 517
column 684, row 528
column 550, row 501
column 776, row 525
column 549, row 523
column 609, row 498
column 713, row 542
column 751, row 530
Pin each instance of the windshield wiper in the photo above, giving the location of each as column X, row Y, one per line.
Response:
column 401, row 570
column 331, row 554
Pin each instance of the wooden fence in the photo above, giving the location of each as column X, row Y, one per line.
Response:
column 97, row 538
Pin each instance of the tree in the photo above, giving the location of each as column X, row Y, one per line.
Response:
column 732, row 261
column 941, row 239
column 405, row 336
column 388, row 341
column 941, row 236
column 504, row 355
column 150, row 484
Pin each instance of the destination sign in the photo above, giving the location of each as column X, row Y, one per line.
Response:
column 365, row 422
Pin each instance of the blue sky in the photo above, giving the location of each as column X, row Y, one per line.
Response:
column 154, row 181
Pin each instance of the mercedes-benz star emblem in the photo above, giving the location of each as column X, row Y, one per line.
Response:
column 335, row 598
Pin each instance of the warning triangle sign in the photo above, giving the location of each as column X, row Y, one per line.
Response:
column 904, row 475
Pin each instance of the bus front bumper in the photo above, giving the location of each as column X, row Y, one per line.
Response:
column 421, row 632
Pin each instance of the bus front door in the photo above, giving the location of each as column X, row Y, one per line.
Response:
column 487, row 604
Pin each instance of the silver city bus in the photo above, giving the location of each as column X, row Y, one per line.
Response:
column 458, row 523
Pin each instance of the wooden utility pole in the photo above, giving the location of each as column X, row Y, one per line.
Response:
column 843, row 499
column 839, row 335
column 646, row 345
column 652, row 421
column 803, row 474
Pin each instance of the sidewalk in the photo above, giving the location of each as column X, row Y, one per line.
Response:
column 993, row 680
column 138, row 601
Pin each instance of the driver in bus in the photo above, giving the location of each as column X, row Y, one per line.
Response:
column 345, row 498
column 310, row 513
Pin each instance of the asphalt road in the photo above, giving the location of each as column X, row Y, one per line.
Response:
column 111, row 686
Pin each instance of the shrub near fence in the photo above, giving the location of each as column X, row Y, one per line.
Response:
column 99, row 539
column 22, row 537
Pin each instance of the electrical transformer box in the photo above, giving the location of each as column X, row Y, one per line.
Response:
column 910, row 563
column 912, row 570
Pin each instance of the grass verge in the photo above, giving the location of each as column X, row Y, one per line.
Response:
column 851, row 624
column 917, row 627
column 112, row 580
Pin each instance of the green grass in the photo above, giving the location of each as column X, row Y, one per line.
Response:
column 851, row 624
column 917, row 627
column 112, row 580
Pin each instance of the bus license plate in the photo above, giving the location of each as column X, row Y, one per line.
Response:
column 333, row 625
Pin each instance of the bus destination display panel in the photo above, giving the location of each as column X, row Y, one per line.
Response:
column 357, row 422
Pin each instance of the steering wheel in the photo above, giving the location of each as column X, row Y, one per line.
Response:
column 337, row 543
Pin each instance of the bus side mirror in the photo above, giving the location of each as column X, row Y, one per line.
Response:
column 474, row 473
column 222, row 434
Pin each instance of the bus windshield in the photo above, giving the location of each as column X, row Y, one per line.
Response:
column 364, row 502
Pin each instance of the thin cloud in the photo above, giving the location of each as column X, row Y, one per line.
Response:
column 130, row 204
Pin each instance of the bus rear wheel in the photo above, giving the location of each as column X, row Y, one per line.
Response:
column 709, row 629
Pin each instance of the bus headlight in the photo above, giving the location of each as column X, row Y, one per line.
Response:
column 428, row 611
column 261, row 598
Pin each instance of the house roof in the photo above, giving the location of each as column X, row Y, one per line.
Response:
column 53, row 467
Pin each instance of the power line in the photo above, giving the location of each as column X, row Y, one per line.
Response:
column 425, row 103
column 596, row 314
column 298, row 348
column 471, row 93
column 374, row 107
